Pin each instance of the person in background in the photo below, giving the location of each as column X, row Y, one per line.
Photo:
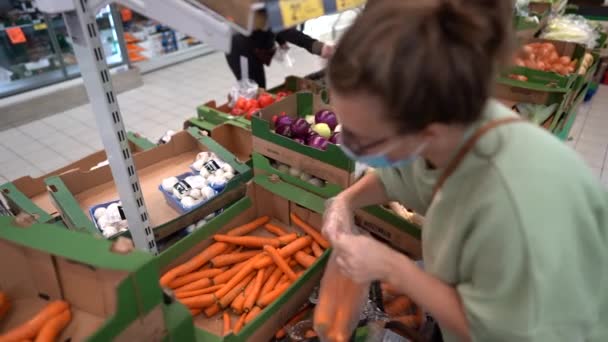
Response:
column 260, row 47
column 515, row 240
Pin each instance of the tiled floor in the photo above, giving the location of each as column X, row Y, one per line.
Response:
column 169, row 96
column 166, row 99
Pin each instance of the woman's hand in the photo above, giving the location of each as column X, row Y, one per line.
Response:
column 338, row 217
column 328, row 51
column 362, row 258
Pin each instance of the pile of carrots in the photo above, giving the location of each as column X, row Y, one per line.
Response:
column 400, row 308
column 45, row 326
column 244, row 273
column 543, row 57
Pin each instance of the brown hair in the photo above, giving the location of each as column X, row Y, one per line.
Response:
column 427, row 60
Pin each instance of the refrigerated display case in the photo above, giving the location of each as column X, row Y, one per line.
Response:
column 36, row 50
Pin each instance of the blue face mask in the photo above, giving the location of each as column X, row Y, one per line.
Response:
column 381, row 160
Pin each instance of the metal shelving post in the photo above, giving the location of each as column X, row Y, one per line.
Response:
column 88, row 49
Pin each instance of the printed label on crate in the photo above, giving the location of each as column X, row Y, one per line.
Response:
column 374, row 229
column 212, row 166
column 121, row 212
column 182, row 187
column 295, row 12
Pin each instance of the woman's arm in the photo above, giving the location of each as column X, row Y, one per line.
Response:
column 300, row 39
column 369, row 190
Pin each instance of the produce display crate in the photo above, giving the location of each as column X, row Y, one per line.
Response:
column 74, row 192
column 39, row 264
column 236, row 139
column 267, row 197
column 331, row 165
column 295, row 84
column 566, row 120
column 31, row 196
column 215, row 114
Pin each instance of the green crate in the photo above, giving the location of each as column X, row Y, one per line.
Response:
column 30, row 195
column 41, row 263
column 212, row 113
column 296, row 84
column 61, row 188
column 269, row 197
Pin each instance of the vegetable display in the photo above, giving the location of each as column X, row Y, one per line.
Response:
column 315, row 131
column 400, row 308
column 297, row 173
column 571, row 28
column 45, row 326
column 110, row 219
column 248, row 107
column 243, row 272
column 544, row 57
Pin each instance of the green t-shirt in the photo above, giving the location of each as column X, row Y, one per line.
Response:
column 520, row 229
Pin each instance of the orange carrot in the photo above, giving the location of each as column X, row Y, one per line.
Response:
column 194, row 263
column 195, row 312
column 233, row 258
column 197, row 285
column 307, row 250
column 225, row 300
column 226, row 318
column 194, row 276
column 5, row 304
column 247, row 241
column 193, row 293
column 53, row 327
column 316, row 249
column 310, row 230
column 305, row 259
column 280, row 262
column 237, row 303
column 270, row 297
column 276, row 230
column 410, row 321
column 326, row 306
column 31, row 328
column 239, row 324
column 272, row 281
column 286, row 251
column 398, row 306
column 212, row 310
column 198, row 302
column 287, row 239
column 255, row 291
column 238, row 277
column 252, row 314
column 295, row 319
column 224, row 277
column 249, row 227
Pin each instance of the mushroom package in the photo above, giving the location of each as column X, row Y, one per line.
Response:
column 110, row 219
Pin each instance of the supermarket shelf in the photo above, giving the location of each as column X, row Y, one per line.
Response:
column 179, row 56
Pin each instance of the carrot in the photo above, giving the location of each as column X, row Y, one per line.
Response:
column 224, row 301
column 194, row 276
column 194, row 263
column 238, row 277
column 276, row 230
column 255, row 291
column 344, row 311
column 398, row 306
column 286, row 251
column 31, row 328
column 249, row 227
column 316, row 249
column 223, row 278
column 310, row 333
column 237, row 303
column 295, row 319
column 326, row 306
column 305, row 259
column 226, row 318
column 195, row 312
column 198, row 302
column 252, row 314
column 5, row 304
column 239, row 324
column 272, row 281
column 247, row 241
column 53, row 327
column 307, row 250
column 310, row 230
column 233, row 258
column 270, row 297
column 287, row 239
column 212, row 310
column 410, row 321
column 389, row 289
column 197, row 285
column 193, row 293
column 280, row 262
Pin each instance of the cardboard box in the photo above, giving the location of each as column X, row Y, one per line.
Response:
column 277, row 199
column 215, row 114
column 236, row 139
column 113, row 297
column 74, row 192
column 331, row 165
column 31, row 196
column 295, row 84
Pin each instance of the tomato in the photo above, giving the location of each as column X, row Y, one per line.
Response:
column 251, row 112
column 241, row 103
column 265, row 100
column 251, row 103
column 237, row 111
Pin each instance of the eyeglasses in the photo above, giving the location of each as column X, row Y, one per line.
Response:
column 349, row 139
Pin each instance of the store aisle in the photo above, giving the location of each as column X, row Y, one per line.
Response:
column 167, row 98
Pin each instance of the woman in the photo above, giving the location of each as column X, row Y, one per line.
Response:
column 260, row 47
column 515, row 244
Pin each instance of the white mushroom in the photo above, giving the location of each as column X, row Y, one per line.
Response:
column 168, row 183
column 99, row 212
column 196, row 194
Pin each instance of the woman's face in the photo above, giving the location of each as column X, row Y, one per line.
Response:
column 365, row 131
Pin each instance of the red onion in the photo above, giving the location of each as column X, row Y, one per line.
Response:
column 300, row 128
column 318, row 142
column 327, row 117
column 284, row 130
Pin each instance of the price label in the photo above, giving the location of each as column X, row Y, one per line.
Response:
column 342, row 5
column 212, row 166
column 182, row 187
column 296, row 12
column 40, row 26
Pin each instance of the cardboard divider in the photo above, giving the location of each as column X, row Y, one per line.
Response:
column 76, row 191
column 297, row 83
column 30, row 194
column 235, row 139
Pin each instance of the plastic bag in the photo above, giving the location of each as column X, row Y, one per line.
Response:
column 284, row 57
column 341, row 302
column 522, row 8
column 571, row 28
column 246, row 87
